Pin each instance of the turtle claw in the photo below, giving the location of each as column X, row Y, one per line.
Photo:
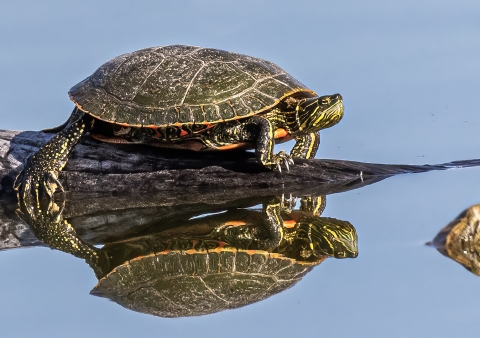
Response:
column 282, row 158
column 288, row 204
column 53, row 183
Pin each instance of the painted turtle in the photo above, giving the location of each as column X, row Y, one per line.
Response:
column 205, row 264
column 191, row 98
column 199, row 276
column 460, row 239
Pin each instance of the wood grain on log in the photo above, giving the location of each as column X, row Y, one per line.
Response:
column 100, row 177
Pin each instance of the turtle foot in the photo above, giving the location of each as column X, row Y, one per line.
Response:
column 48, row 224
column 282, row 158
column 35, row 189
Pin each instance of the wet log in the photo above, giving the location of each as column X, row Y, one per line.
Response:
column 101, row 176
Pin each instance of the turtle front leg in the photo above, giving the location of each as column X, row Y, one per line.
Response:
column 306, row 146
column 313, row 205
column 40, row 174
column 265, row 146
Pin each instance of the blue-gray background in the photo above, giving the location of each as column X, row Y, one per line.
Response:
column 409, row 72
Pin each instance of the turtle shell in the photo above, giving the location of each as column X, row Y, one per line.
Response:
column 176, row 85
column 178, row 283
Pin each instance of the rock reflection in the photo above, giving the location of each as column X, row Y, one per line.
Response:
column 200, row 261
column 460, row 239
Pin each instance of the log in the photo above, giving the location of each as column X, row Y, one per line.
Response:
column 101, row 180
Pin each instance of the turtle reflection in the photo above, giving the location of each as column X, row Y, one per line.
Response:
column 460, row 239
column 208, row 263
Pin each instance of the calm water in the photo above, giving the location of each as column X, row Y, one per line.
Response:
column 409, row 73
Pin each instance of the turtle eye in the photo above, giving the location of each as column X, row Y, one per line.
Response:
column 326, row 101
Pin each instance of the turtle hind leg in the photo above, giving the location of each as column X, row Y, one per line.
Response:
column 40, row 174
column 59, row 234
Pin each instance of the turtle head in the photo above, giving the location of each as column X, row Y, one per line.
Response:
column 317, row 113
column 319, row 237
column 333, row 237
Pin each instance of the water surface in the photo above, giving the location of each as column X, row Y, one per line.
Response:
column 409, row 74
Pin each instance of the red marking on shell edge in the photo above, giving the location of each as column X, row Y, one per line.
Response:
column 294, row 216
column 235, row 223
column 281, row 135
column 280, row 132
column 240, row 145
column 183, row 133
column 139, row 258
column 289, row 224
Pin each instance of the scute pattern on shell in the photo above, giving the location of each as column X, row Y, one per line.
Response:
column 162, row 86
column 176, row 284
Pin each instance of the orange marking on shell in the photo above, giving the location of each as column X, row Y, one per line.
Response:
column 294, row 216
column 240, row 145
column 281, row 135
column 289, row 224
column 183, row 133
column 280, row 132
column 136, row 259
column 235, row 223
column 157, row 135
column 191, row 251
column 122, row 124
column 220, row 247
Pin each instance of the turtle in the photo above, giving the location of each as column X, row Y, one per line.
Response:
column 205, row 264
column 190, row 98
column 187, row 276
column 460, row 239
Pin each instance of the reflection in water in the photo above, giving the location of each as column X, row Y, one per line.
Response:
column 194, row 263
column 460, row 239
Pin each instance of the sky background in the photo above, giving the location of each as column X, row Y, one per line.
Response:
column 409, row 73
